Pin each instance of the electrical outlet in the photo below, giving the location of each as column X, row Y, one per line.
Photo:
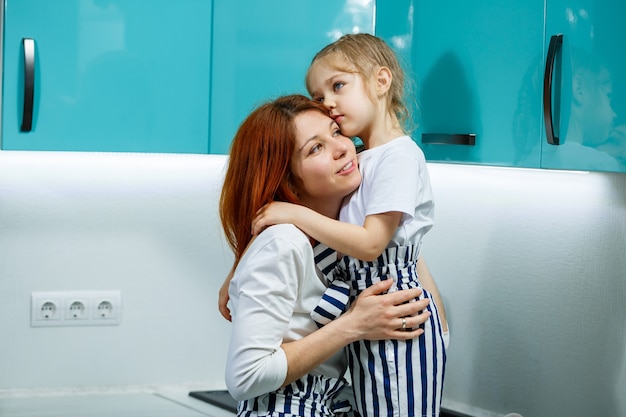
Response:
column 76, row 308
column 107, row 308
column 46, row 309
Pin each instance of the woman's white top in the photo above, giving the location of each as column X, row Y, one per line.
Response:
column 395, row 178
column 273, row 291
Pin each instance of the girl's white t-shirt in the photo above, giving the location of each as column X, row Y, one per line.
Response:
column 395, row 178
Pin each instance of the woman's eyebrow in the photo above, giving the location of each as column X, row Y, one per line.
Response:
column 315, row 136
column 306, row 142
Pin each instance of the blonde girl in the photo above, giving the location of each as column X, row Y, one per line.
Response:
column 381, row 225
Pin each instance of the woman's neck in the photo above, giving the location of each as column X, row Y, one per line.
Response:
column 328, row 207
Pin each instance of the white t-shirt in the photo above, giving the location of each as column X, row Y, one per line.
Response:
column 273, row 291
column 395, row 178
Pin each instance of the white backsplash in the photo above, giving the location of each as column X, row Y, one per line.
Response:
column 531, row 265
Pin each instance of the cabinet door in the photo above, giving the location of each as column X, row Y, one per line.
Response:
column 471, row 60
column 588, row 111
column 263, row 49
column 108, row 75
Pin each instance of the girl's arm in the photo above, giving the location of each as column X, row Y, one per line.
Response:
column 365, row 242
column 373, row 316
column 428, row 282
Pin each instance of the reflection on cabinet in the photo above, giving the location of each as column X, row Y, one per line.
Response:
column 263, row 49
column 481, row 69
column 592, row 100
column 108, row 76
column 137, row 77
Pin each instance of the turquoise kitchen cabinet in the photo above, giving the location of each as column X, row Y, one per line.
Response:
column 127, row 76
column 468, row 60
column 585, row 107
column 502, row 83
column 263, row 49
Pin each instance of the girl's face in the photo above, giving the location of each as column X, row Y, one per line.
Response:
column 324, row 163
column 345, row 96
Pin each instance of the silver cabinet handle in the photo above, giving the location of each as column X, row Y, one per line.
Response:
column 468, row 139
column 29, row 84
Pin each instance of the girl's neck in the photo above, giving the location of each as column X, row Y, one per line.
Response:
column 382, row 132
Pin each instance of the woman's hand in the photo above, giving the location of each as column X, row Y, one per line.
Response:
column 372, row 316
column 378, row 316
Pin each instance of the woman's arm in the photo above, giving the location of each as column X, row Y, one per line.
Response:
column 273, row 338
column 372, row 316
column 365, row 242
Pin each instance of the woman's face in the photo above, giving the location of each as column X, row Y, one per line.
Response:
column 324, row 163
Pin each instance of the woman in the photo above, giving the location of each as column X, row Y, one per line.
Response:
column 278, row 362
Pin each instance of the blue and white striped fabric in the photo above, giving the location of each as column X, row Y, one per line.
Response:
column 336, row 298
column 309, row 396
column 391, row 378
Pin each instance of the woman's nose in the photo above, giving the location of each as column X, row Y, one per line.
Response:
column 341, row 148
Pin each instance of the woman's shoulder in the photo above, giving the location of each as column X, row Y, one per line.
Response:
column 284, row 237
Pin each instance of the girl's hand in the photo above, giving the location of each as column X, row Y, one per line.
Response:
column 222, row 297
column 378, row 316
column 273, row 213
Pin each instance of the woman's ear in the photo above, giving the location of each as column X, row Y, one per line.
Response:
column 383, row 81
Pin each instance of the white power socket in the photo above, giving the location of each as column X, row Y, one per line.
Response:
column 76, row 308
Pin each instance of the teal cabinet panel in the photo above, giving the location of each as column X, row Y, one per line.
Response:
column 469, row 60
column 481, row 68
column 127, row 76
column 589, row 107
column 262, row 50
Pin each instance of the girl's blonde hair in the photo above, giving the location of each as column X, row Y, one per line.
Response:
column 364, row 54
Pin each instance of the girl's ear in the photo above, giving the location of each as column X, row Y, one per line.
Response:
column 383, row 81
column 578, row 89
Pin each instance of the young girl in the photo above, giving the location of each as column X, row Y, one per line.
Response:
column 359, row 80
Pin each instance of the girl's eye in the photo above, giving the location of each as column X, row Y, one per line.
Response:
column 338, row 85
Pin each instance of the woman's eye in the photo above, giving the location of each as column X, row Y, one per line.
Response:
column 319, row 99
column 315, row 148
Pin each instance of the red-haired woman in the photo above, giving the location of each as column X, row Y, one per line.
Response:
column 279, row 363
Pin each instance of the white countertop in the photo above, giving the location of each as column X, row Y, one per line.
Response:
column 162, row 404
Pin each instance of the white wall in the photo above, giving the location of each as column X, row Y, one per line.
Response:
column 146, row 225
column 531, row 265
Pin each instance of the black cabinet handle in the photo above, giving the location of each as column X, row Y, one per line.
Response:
column 468, row 139
column 555, row 43
column 29, row 84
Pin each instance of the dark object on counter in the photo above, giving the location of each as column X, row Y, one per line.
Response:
column 221, row 399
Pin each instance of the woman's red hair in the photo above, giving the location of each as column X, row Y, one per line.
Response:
column 259, row 166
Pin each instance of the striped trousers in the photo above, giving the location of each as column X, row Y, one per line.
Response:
column 391, row 378
column 309, row 396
